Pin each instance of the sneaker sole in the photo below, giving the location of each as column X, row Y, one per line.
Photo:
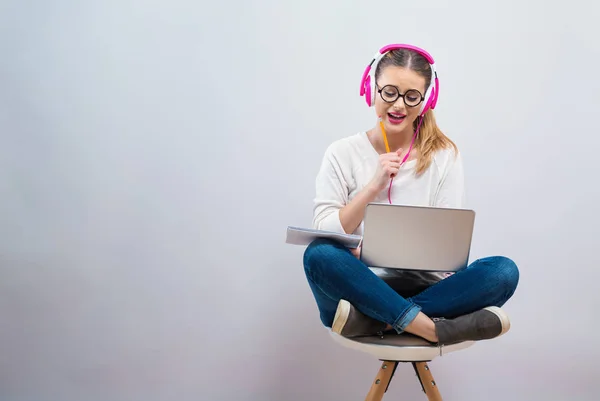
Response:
column 341, row 316
column 502, row 316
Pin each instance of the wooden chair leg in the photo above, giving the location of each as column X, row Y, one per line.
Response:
column 429, row 386
column 382, row 381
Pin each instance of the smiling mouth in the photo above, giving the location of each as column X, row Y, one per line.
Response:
column 396, row 118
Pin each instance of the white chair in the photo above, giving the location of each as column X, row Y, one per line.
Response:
column 392, row 349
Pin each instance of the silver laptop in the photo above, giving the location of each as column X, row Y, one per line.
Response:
column 416, row 237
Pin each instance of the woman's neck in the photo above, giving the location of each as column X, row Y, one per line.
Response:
column 395, row 141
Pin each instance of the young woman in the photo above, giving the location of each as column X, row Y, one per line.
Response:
column 404, row 159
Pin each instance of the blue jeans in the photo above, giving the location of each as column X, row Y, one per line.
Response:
column 333, row 273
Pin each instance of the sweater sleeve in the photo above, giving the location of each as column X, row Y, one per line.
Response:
column 451, row 190
column 331, row 194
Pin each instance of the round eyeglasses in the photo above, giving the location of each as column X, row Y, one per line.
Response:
column 390, row 94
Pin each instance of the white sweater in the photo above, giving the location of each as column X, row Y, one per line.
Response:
column 349, row 165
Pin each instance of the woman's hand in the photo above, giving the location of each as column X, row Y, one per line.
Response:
column 389, row 164
column 355, row 252
column 353, row 213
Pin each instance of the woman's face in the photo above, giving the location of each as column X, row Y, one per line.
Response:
column 397, row 116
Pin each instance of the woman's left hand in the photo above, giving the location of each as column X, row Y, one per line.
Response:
column 356, row 252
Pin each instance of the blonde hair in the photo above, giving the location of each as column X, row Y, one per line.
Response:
column 430, row 137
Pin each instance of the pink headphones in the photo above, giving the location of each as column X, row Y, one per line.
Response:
column 367, row 84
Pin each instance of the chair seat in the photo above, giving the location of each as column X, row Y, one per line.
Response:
column 403, row 347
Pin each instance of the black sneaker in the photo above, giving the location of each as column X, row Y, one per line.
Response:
column 483, row 324
column 349, row 322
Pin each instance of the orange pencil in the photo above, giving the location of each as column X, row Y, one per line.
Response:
column 387, row 146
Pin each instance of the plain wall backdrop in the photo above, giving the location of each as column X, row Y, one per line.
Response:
column 152, row 154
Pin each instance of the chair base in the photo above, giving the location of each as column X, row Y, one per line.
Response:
column 386, row 373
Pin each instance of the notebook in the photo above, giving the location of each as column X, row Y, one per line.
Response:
column 304, row 236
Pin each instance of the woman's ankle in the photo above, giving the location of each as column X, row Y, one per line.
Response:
column 424, row 327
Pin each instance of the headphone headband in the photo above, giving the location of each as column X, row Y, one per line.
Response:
column 367, row 83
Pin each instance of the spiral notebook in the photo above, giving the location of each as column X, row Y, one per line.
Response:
column 304, row 236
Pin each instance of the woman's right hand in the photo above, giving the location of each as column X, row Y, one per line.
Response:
column 353, row 213
column 389, row 164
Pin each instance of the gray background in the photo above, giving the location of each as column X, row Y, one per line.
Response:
column 152, row 154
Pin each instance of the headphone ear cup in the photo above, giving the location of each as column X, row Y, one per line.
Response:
column 436, row 93
column 368, row 92
column 429, row 95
